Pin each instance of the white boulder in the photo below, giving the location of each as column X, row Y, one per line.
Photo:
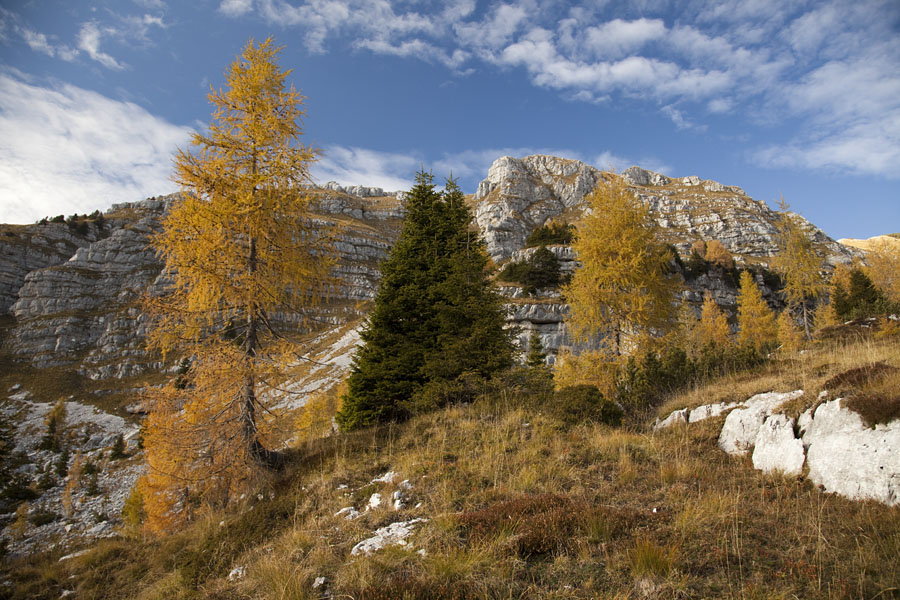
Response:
column 742, row 424
column 394, row 534
column 709, row 410
column 776, row 449
column 850, row 459
column 678, row 416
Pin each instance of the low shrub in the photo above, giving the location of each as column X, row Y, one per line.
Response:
column 540, row 270
column 552, row 233
column 535, row 524
column 582, row 403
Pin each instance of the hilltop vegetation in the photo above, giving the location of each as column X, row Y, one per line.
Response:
column 520, row 502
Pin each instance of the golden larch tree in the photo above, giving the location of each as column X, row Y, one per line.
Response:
column 789, row 335
column 755, row 319
column 240, row 248
column 798, row 264
column 622, row 289
column 718, row 254
column 713, row 327
column 884, row 269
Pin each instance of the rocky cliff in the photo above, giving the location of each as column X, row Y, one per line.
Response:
column 83, row 312
column 520, row 195
column 75, row 301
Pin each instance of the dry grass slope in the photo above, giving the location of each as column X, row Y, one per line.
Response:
column 522, row 506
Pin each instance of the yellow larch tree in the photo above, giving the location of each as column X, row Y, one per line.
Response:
column 713, row 327
column 240, row 248
column 622, row 292
column 718, row 254
column 884, row 269
column 755, row 319
column 798, row 264
column 789, row 335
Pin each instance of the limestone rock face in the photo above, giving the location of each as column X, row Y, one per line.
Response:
column 27, row 248
column 85, row 308
column 84, row 311
column 519, row 195
column 850, row 459
column 522, row 194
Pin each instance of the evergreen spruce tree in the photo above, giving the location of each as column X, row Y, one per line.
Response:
column 436, row 314
column 536, row 358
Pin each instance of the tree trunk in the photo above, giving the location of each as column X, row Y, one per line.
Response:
column 258, row 454
column 806, row 321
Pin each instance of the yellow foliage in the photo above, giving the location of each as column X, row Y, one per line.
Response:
column 317, row 416
column 887, row 329
column 825, row 315
column 797, row 262
column 884, row 270
column 713, row 328
column 699, row 248
column 755, row 318
column 590, row 367
column 239, row 247
column 73, row 481
column 719, row 255
column 789, row 335
column 622, row 290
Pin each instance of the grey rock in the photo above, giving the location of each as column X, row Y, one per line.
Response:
column 742, row 425
column 776, row 449
column 850, row 459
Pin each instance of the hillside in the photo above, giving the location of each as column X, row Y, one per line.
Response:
column 73, row 330
column 504, row 497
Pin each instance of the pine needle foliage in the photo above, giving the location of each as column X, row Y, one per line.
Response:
column 622, row 288
column 239, row 248
column 437, row 315
column 536, row 357
column 755, row 318
column 713, row 328
column 798, row 264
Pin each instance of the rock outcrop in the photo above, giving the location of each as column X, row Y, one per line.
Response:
column 27, row 248
column 73, row 298
column 520, row 195
column 84, row 311
column 839, row 452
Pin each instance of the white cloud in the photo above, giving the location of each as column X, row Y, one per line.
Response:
column 494, row 32
column 151, row 4
column 38, row 42
column 829, row 68
column 64, row 149
column 360, row 166
column 235, row 8
column 617, row 37
column 89, row 37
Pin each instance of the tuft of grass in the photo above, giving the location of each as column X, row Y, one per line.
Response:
column 649, row 559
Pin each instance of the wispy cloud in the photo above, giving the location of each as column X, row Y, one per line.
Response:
column 64, row 149
column 771, row 60
column 89, row 37
column 360, row 166
column 394, row 171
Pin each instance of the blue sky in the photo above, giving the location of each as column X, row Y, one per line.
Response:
column 777, row 96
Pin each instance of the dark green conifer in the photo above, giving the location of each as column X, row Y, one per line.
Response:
column 536, row 358
column 436, row 314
